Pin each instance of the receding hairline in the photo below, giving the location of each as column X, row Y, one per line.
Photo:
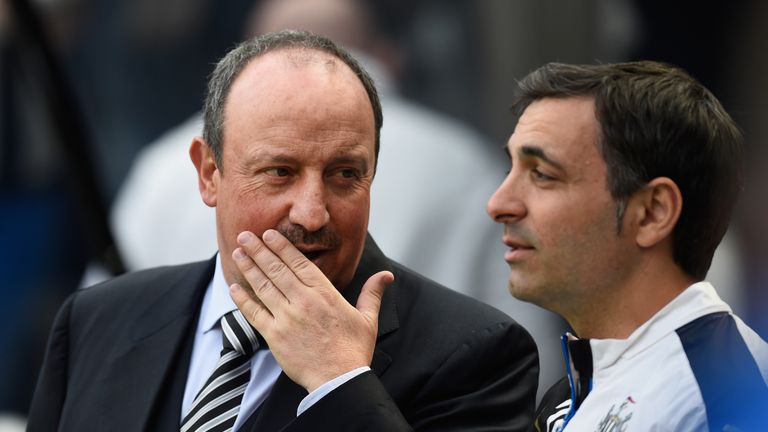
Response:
column 300, row 57
column 309, row 47
column 296, row 58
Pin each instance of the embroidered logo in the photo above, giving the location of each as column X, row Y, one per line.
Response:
column 613, row 421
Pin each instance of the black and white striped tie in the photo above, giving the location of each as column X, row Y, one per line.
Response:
column 216, row 406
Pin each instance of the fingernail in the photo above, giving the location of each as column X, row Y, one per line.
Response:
column 234, row 288
column 244, row 237
column 269, row 235
column 238, row 254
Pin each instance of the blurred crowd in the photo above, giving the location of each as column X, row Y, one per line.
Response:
column 99, row 100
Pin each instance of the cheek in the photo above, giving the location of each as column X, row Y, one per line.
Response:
column 593, row 245
column 350, row 217
column 573, row 235
column 251, row 211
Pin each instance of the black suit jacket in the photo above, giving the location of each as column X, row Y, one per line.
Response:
column 119, row 352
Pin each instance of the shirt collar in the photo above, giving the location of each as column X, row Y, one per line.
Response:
column 218, row 299
column 695, row 301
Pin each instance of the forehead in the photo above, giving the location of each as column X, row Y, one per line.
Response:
column 287, row 75
column 299, row 95
column 566, row 127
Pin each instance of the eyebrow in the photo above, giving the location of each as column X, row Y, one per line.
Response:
column 538, row 153
column 359, row 162
column 259, row 156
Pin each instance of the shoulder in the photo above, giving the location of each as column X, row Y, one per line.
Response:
column 420, row 294
column 439, row 315
column 452, row 353
column 128, row 298
column 140, row 284
column 100, row 316
column 726, row 360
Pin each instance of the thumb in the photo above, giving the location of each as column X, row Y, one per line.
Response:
column 369, row 301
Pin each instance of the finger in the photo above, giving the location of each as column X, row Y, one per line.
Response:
column 369, row 301
column 298, row 265
column 254, row 311
column 261, row 285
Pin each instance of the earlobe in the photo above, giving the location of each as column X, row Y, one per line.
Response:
column 661, row 203
column 207, row 171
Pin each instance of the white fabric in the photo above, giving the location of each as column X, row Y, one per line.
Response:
column 646, row 380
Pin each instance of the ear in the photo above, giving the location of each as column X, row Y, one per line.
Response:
column 208, row 176
column 657, row 209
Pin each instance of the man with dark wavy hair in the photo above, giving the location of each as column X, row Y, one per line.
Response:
column 622, row 183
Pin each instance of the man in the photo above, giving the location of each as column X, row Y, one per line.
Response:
column 623, row 179
column 434, row 155
column 287, row 158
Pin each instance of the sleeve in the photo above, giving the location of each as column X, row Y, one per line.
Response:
column 362, row 404
column 487, row 384
column 49, row 396
column 328, row 387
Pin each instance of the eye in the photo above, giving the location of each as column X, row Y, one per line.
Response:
column 347, row 173
column 278, row 171
column 538, row 175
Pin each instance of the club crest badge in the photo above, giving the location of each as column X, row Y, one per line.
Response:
column 616, row 421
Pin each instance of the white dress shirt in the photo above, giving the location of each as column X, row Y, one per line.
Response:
column 264, row 368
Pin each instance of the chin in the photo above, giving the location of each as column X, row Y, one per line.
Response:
column 522, row 291
column 516, row 291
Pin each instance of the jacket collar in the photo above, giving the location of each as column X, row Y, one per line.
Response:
column 695, row 301
column 373, row 261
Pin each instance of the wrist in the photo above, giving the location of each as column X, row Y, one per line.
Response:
column 329, row 387
column 325, row 377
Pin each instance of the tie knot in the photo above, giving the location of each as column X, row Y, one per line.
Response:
column 239, row 335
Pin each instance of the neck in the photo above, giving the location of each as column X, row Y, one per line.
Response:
column 615, row 312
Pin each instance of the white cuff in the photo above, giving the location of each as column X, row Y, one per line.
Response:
column 328, row 387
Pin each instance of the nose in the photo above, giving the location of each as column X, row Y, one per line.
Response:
column 506, row 204
column 309, row 208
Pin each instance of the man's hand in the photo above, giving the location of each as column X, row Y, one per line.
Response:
column 313, row 332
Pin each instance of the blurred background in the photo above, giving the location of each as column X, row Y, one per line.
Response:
column 99, row 99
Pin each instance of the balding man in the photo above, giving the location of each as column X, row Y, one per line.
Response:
column 287, row 159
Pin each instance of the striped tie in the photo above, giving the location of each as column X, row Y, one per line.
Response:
column 216, row 406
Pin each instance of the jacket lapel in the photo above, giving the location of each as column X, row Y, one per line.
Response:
column 141, row 363
column 374, row 261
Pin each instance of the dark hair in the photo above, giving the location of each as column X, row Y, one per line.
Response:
column 230, row 66
column 657, row 121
